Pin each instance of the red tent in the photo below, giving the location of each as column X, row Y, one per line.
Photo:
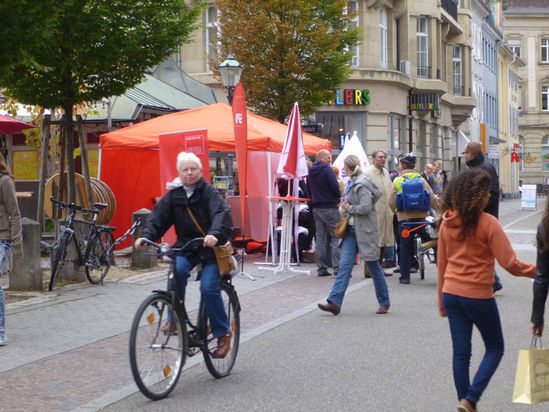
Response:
column 129, row 162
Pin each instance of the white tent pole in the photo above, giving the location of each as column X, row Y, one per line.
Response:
column 271, row 229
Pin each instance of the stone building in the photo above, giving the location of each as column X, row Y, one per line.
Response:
column 526, row 32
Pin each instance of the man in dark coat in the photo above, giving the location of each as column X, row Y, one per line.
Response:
column 190, row 191
column 325, row 195
column 475, row 158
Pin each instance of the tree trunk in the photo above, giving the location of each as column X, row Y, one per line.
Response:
column 84, row 157
column 46, row 132
column 62, row 181
column 69, row 138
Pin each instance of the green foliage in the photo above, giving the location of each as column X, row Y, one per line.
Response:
column 291, row 50
column 61, row 53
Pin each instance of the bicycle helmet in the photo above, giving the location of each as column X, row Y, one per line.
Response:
column 409, row 159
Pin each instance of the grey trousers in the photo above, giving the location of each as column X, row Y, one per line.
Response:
column 326, row 250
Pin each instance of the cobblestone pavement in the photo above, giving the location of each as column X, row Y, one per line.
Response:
column 68, row 348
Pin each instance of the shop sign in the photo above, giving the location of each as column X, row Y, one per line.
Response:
column 311, row 128
column 493, row 151
column 423, row 101
column 350, row 97
column 515, row 155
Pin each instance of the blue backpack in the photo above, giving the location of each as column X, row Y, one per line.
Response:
column 413, row 196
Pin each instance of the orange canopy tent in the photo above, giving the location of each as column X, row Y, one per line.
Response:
column 129, row 162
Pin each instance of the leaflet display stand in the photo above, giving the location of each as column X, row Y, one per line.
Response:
column 288, row 206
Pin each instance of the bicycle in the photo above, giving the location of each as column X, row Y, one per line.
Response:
column 95, row 253
column 157, row 353
column 423, row 248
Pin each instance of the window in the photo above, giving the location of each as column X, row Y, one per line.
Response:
column 545, row 98
column 545, row 154
column 352, row 7
column 211, row 31
column 457, row 65
column 383, row 37
column 545, row 50
column 514, row 45
column 422, row 48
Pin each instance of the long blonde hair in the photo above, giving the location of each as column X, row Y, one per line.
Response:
column 4, row 167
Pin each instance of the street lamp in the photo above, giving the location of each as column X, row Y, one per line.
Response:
column 230, row 71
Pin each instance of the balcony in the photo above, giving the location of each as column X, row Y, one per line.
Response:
column 451, row 7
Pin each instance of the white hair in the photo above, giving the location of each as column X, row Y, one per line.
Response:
column 188, row 157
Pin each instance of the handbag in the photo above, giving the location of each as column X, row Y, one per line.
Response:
column 532, row 377
column 223, row 253
column 341, row 227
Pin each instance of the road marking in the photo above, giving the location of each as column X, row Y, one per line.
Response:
column 521, row 231
column 528, row 216
column 521, row 247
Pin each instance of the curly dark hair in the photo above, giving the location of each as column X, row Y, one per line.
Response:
column 466, row 193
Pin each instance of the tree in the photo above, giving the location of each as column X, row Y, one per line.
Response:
column 75, row 51
column 291, row 50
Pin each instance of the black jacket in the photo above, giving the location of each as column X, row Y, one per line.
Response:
column 209, row 209
column 492, row 207
column 323, row 186
column 541, row 282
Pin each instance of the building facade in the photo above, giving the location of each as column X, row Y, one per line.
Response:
column 526, row 32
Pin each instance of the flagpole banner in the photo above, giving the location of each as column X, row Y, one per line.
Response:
column 240, row 124
column 170, row 145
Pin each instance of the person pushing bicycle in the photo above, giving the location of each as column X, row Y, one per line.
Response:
column 191, row 201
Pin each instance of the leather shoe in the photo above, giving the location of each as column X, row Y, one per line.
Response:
column 329, row 307
column 223, row 345
column 404, row 281
column 169, row 327
column 324, row 274
column 465, row 406
column 388, row 265
column 383, row 310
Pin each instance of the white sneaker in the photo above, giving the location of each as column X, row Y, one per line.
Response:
column 3, row 339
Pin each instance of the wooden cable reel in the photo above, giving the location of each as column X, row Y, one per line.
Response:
column 101, row 193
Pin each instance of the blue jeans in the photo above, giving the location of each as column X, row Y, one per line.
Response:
column 390, row 254
column 349, row 249
column 5, row 246
column 463, row 313
column 210, row 291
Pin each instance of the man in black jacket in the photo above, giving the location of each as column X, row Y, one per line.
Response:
column 190, row 191
column 475, row 158
column 325, row 195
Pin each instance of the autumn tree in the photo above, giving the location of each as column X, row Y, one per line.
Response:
column 291, row 50
column 57, row 54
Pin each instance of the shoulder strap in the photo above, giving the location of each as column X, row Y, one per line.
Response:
column 194, row 220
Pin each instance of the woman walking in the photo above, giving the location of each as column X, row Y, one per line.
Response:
column 10, row 232
column 362, row 237
column 469, row 240
column 541, row 282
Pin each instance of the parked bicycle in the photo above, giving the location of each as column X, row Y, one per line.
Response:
column 94, row 252
column 157, row 352
column 425, row 244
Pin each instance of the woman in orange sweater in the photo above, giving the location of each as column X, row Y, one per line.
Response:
column 469, row 241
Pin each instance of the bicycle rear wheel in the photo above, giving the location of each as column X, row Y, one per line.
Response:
column 57, row 258
column 221, row 367
column 97, row 259
column 420, row 253
column 156, row 356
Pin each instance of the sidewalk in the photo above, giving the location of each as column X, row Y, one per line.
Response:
column 68, row 348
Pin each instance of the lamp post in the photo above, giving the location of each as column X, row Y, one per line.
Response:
column 230, row 71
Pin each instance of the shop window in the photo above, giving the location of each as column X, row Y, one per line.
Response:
column 336, row 124
column 545, row 154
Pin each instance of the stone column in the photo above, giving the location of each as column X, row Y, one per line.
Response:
column 26, row 273
column 139, row 259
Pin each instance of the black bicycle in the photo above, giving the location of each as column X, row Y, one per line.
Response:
column 163, row 334
column 94, row 252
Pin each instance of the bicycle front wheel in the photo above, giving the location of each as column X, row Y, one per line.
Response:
column 220, row 368
column 57, row 258
column 96, row 258
column 157, row 353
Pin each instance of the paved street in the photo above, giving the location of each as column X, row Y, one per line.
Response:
column 68, row 349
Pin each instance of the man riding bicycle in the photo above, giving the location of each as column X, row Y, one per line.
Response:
column 190, row 191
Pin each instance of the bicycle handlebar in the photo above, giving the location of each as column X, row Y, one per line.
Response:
column 166, row 249
column 73, row 206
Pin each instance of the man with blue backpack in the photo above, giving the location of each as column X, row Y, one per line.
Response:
column 412, row 198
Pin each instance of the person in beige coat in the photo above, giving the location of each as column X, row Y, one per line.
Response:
column 377, row 173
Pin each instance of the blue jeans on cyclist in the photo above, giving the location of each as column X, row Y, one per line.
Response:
column 210, row 291
column 407, row 246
